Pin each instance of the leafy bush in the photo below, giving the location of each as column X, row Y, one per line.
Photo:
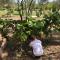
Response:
column 22, row 29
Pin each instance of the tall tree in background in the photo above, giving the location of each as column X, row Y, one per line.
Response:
column 29, row 6
column 20, row 8
column 25, row 6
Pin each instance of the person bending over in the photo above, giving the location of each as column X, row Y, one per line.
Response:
column 36, row 45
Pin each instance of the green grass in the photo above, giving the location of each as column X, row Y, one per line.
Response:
column 15, row 13
column 3, row 12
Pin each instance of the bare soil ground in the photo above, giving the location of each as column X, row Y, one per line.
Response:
column 51, row 52
column 14, row 17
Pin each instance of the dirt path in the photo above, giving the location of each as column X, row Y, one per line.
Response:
column 14, row 17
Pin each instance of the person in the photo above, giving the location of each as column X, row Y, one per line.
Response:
column 2, row 44
column 36, row 45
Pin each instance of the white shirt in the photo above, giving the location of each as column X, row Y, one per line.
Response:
column 37, row 47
